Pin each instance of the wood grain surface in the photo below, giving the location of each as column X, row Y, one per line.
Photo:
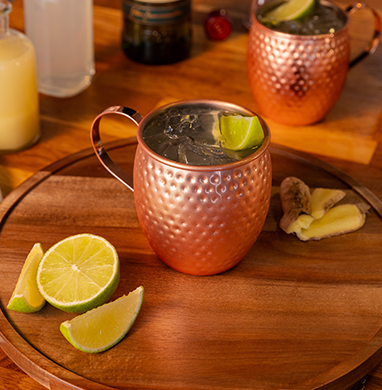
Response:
column 291, row 315
column 349, row 138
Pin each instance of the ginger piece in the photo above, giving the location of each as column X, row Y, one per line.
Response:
column 338, row 220
column 295, row 200
column 323, row 199
column 313, row 217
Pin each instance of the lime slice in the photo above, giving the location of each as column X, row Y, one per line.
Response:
column 101, row 328
column 26, row 298
column 241, row 132
column 78, row 273
column 291, row 10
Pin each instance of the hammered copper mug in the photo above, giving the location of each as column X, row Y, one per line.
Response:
column 200, row 220
column 297, row 79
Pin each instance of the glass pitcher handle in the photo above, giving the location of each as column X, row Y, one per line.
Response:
column 100, row 151
column 373, row 44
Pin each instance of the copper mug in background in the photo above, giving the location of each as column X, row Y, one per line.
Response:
column 297, row 79
column 199, row 220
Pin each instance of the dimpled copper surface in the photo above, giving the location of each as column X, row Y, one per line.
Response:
column 202, row 221
column 296, row 79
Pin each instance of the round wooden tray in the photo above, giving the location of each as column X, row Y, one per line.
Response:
column 292, row 315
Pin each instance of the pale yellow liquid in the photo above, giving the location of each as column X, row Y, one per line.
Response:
column 19, row 109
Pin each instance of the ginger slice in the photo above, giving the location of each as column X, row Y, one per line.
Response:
column 338, row 220
column 295, row 200
column 313, row 217
column 322, row 199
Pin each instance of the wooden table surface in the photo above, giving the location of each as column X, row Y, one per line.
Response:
column 350, row 138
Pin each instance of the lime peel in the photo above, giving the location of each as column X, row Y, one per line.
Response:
column 292, row 10
column 105, row 326
column 79, row 273
column 241, row 132
column 26, row 297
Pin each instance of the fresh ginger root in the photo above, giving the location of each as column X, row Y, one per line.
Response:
column 338, row 220
column 295, row 200
column 323, row 199
column 313, row 217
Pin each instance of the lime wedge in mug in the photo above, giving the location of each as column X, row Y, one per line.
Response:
column 241, row 132
column 291, row 10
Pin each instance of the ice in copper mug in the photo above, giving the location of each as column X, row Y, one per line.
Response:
column 296, row 75
column 201, row 207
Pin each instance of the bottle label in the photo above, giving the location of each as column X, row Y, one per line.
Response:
column 157, row 14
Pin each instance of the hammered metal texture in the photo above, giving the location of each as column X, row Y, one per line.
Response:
column 295, row 79
column 201, row 222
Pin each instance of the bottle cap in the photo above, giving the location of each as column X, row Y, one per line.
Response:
column 218, row 25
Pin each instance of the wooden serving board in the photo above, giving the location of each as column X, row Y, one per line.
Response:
column 292, row 315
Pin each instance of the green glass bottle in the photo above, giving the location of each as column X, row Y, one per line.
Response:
column 157, row 31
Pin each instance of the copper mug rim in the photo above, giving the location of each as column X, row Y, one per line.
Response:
column 209, row 103
column 140, row 121
column 311, row 36
column 370, row 48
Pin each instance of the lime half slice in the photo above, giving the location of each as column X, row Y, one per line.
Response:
column 241, row 132
column 291, row 10
column 101, row 328
column 26, row 298
column 78, row 273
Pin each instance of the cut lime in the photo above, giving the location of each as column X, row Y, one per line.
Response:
column 26, row 298
column 241, row 132
column 103, row 327
column 78, row 273
column 291, row 10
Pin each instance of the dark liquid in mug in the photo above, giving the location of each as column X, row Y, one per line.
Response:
column 190, row 135
column 326, row 18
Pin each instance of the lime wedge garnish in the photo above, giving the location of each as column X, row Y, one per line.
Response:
column 241, row 132
column 78, row 273
column 101, row 328
column 26, row 298
column 291, row 10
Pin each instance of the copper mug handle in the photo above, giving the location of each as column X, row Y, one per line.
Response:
column 373, row 44
column 100, row 151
